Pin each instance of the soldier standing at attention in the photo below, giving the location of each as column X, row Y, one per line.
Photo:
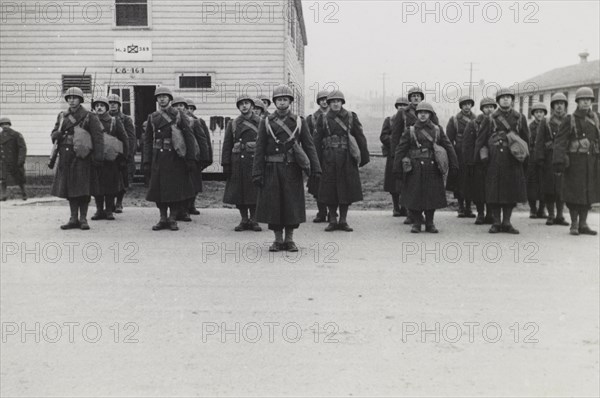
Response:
column 202, row 135
column 169, row 160
column 109, row 177
column 390, row 183
column 284, row 149
column 313, row 183
column 423, row 189
column 13, row 152
column 78, row 133
column 342, row 148
column 114, row 102
column 534, row 193
column 544, row 148
column 455, row 131
column 266, row 101
column 259, row 107
column 476, row 169
column 505, row 184
column 577, row 157
column 237, row 159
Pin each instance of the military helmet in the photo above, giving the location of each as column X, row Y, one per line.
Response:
column 487, row 101
column 100, row 100
column 558, row 97
column 584, row 92
column 505, row 91
column 336, row 95
column 401, row 101
column 283, row 91
column 425, row 106
column 465, row 98
column 191, row 104
column 416, row 90
column 163, row 91
column 5, row 120
column 264, row 97
column 243, row 97
column 178, row 100
column 322, row 94
column 259, row 104
column 74, row 92
column 114, row 98
column 538, row 106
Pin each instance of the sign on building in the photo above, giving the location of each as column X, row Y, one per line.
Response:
column 133, row 50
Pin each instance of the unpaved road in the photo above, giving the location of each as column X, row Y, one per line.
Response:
column 192, row 314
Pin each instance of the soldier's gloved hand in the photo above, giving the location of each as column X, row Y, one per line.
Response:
column 190, row 165
column 146, row 169
column 258, row 181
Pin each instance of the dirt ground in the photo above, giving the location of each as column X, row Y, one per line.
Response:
column 121, row 310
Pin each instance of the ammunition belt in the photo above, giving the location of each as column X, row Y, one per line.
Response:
column 279, row 158
column 421, row 153
column 163, row 143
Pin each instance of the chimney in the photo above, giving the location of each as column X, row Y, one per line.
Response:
column 583, row 56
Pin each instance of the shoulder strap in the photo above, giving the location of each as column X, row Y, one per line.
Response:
column 455, row 118
column 437, row 133
column 573, row 124
column 350, row 122
column 112, row 124
column 233, row 126
column 414, row 136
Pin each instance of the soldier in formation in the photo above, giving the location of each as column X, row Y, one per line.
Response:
column 391, row 184
column 576, row 158
column 237, row 159
column 313, row 183
column 505, row 183
column 169, row 160
column 284, row 149
column 455, row 131
column 266, row 102
column 259, row 109
column 78, row 135
column 551, row 183
column 13, row 152
column 423, row 170
column 108, row 178
column 534, row 183
column 342, row 148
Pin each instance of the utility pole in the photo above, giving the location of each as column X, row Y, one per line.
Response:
column 383, row 98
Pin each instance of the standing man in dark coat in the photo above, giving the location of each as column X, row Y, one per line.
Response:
column 202, row 135
column 392, row 184
column 476, row 169
column 284, row 149
column 455, row 131
column 404, row 119
column 266, row 101
column 237, row 160
column 424, row 189
column 109, row 177
column 73, row 179
column 577, row 157
column 342, row 148
column 532, row 169
column 259, row 108
column 313, row 183
column 544, row 149
column 505, row 184
column 171, row 185
column 13, row 152
column 127, row 173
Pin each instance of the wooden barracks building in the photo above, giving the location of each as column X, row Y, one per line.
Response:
column 209, row 51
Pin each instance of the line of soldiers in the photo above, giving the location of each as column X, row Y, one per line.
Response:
column 495, row 160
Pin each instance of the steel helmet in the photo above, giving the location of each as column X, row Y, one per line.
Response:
column 179, row 100
column 264, row 97
column 283, row 91
column 487, row 101
column 74, row 92
column 101, row 100
column 243, row 97
column 401, row 101
column 584, row 92
column 5, row 120
column 558, row 97
column 191, row 104
column 322, row 94
column 465, row 98
column 425, row 106
column 538, row 106
column 259, row 104
column 505, row 91
column 416, row 90
column 163, row 91
column 114, row 98
column 336, row 94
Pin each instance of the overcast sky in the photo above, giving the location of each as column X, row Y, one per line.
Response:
column 354, row 42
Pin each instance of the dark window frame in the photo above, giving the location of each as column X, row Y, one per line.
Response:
column 121, row 4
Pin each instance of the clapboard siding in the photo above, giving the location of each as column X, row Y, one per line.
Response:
column 242, row 56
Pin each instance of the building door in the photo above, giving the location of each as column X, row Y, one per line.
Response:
column 144, row 106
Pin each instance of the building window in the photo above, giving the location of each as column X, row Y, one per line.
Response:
column 131, row 13
column 84, row 82
column 196, row 81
